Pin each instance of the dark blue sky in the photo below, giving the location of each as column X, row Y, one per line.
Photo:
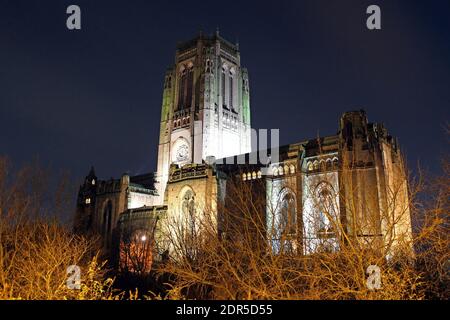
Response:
column 77, row 98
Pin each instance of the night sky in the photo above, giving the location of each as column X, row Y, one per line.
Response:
column 93, row 97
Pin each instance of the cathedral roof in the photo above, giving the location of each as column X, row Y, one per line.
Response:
column 146, row 180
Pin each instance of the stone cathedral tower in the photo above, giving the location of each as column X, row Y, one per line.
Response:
column 353, row 181
column 206, row 107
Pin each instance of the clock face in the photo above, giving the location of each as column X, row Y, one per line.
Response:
column 180, row 151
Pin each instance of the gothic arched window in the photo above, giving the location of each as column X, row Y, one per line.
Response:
column 326, row 209
column 316, row 165
column 223, row 92
column 275, row 171
column 181, row 86
column 245, row 84
column 189, row 86
column 322, row 165
column 329, row 165
column 185, row 88
column 168, row 82
column 188, row 209
column 230, row 96
column 288, row 215
column 209, row 66
column 335, row 163
column 291, row 169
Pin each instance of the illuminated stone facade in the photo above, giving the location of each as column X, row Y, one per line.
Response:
column 318, row 189
column 352, row 182
column 206, row 108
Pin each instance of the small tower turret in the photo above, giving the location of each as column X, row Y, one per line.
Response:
column 86, row 203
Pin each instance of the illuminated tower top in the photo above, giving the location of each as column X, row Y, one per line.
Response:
column 206, row 104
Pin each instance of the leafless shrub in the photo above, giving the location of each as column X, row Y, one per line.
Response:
column 232, row 255
column 35, row 247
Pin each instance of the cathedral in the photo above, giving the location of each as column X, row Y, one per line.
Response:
column 354, row 179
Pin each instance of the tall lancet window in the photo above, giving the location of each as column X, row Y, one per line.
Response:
column 288, row 215
column 326, row 218
column 223, row 92
column 188, row 208
column 190, row 83
column 189, row 227
column 283, row 227
column 231, row 91
column 185, row 88
column 181, row 89
column 327, row 214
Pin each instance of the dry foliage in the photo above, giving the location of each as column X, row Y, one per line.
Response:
column 229, row 256
column 233, row 259
column 35, row 248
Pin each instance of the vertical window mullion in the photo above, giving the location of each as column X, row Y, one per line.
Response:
column 223, row 88
column 181, row 90
column 189, row 87
column 184, row 90
column 231, row 91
